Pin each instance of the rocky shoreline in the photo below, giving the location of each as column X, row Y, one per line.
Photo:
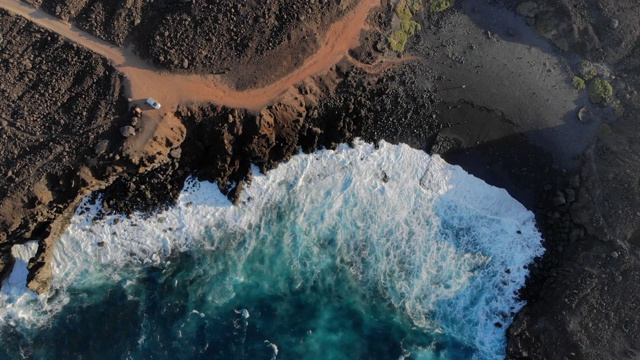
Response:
column 582, row 294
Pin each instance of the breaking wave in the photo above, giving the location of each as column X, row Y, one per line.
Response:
column 336, row 254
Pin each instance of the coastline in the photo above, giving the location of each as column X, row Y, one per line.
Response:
column 491, row 136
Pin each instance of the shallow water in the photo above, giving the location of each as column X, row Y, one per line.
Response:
column 348, row 254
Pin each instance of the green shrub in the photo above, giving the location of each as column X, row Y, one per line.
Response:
column 403, row 10
column 618, row 109
column 409, row 27
column 599, row 91
column 440, row 5
column 416, row 5
column 398, row 39
column 587, row 70
column 578, row 83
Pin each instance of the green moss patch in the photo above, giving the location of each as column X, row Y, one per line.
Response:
column 587, row 70
column 398, row 39
column 405, row 10
column 578, row 83
column 599, row 91
column 440, row 5
column 618, row 109
column 409, row 27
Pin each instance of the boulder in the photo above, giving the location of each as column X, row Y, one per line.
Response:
column 127, row 131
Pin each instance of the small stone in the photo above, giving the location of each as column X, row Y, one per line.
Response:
column 618, row 279
column 185, row 63
column 614, row 24
column 134, row 121
column 385, row 177
column 614, row 254
column 127, row 131
column 101, row 147
column 100, row 244
column 175, row 153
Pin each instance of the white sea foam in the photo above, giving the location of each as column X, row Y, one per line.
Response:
column 443, row 247
column 16, row 302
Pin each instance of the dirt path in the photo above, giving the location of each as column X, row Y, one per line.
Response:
column 171, row 90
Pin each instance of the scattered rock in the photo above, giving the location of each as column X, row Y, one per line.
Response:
column 528, row 9
column 127, row 131
column 614, row 254
column 101, row 147
column 176, row 153
column 571, row 195
column 614, row 24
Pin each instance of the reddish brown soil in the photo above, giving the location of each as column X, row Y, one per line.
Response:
column 144, row 80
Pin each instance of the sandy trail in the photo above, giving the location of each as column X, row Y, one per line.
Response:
column 171, row 90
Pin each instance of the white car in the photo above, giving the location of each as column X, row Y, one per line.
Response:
column 153, row 103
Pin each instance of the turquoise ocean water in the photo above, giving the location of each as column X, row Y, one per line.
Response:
column 358, row 253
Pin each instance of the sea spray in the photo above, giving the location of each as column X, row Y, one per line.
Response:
column 349, row 253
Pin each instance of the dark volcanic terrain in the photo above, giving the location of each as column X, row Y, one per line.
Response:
column 255, row 41
column 60, row 109
column 487, row 84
